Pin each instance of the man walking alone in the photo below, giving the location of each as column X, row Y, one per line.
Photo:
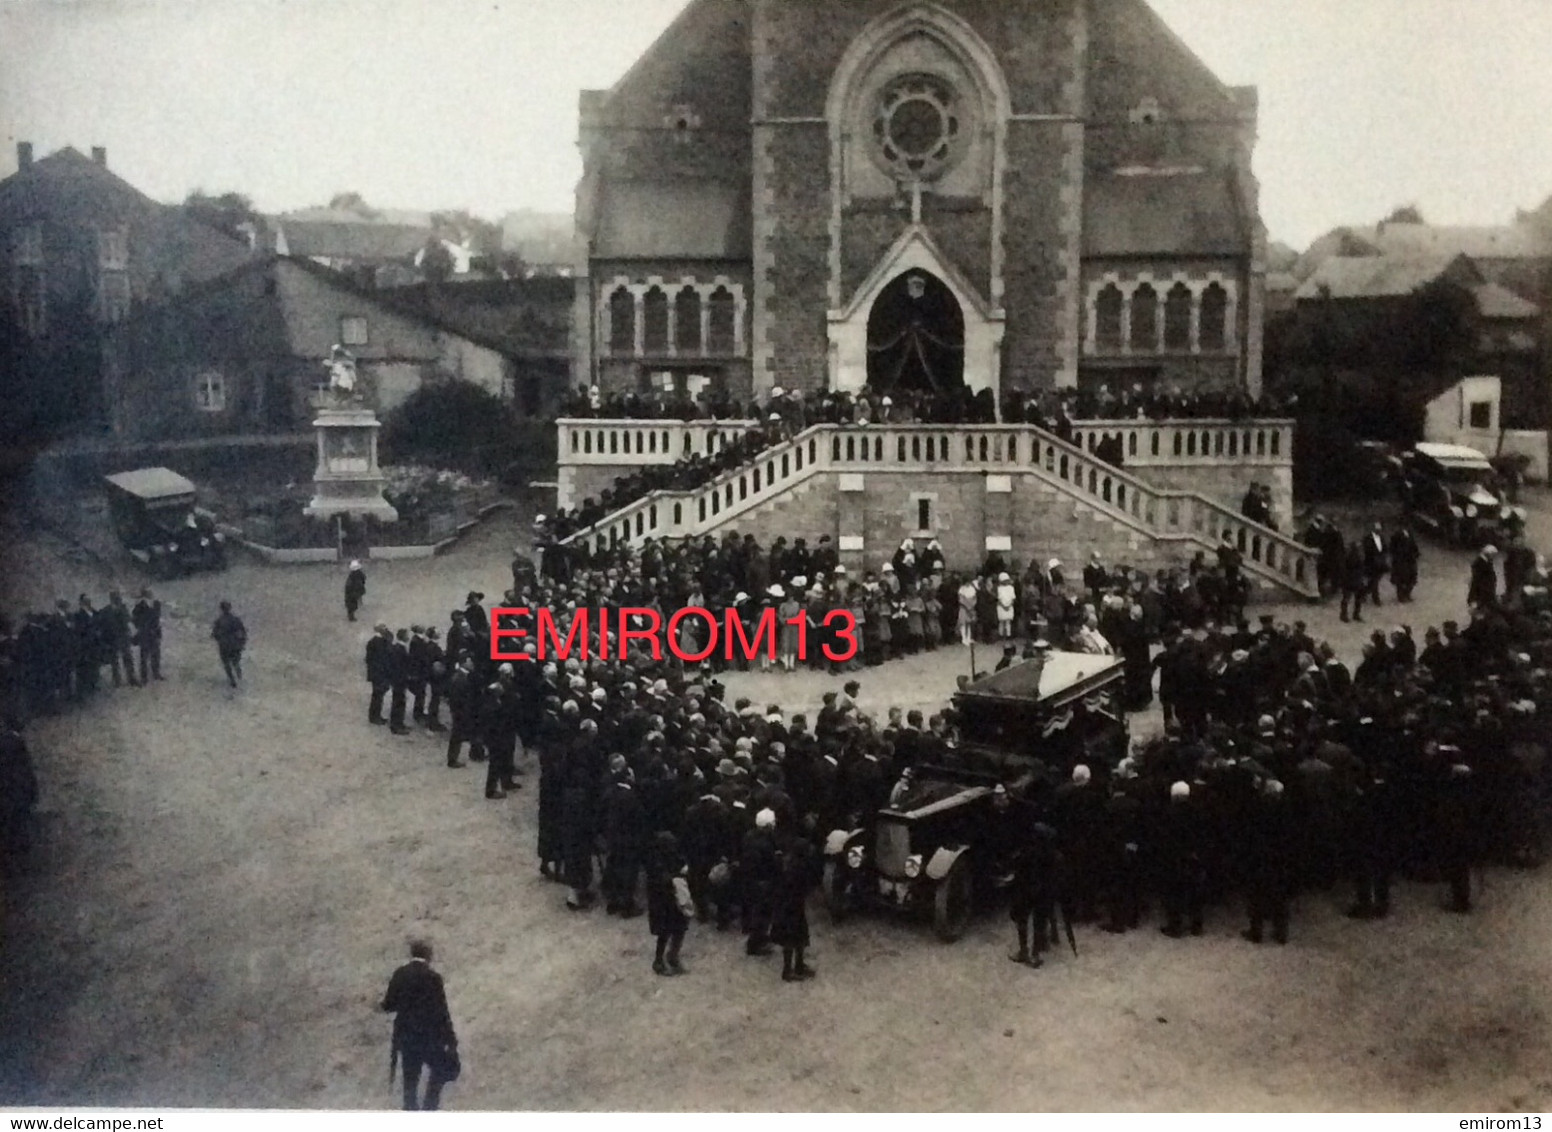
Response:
column 422, row 1029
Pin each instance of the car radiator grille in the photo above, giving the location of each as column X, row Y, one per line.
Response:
column 894, row 846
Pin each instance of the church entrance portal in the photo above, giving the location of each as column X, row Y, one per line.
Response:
column 916, row 336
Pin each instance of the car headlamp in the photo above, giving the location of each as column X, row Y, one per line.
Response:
column 204, row 542
column 1471, row 511
column 854, row 857
column 913, row 866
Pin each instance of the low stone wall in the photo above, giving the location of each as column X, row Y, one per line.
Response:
column 295, row 555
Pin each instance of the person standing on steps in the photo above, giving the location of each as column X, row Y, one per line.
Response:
column 355, row 588
column 231, row 637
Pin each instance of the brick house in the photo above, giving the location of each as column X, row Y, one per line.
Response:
column 242, row 354
column 80, row 249
column 1000, row 193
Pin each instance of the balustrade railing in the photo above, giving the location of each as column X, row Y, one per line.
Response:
column 1176, row 442
column 636, row 443
column 1166, row 513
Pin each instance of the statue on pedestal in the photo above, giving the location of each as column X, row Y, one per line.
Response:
column 344, row 387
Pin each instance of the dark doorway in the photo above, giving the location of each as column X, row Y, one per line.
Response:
column 916, row 336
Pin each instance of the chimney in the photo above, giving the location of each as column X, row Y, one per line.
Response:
column 100, row 155
column 23, row 155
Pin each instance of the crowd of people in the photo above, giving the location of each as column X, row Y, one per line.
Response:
column 1279, row 768
column 960, row 406
column 53, row 661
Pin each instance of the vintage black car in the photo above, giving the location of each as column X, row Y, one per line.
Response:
column 941, row 848
column 154, row 516
column 1454, row 492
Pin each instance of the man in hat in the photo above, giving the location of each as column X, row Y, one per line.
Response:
column 355, row 588
column 1269, row 863
column 116, row 634
column 399, row 682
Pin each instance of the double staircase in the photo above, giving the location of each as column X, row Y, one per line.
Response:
column 1170, row 519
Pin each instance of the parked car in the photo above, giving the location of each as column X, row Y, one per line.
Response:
column 1453, row 491
column 154, row 515
column 941, row 849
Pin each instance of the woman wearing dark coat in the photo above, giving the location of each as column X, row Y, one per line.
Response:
column 665, row 919
column 789, row 919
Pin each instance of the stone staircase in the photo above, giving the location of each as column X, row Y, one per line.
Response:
column 1060, row 500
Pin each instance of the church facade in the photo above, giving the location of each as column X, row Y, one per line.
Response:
column 1004, row 194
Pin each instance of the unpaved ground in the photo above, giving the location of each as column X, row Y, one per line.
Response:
column 227, row 880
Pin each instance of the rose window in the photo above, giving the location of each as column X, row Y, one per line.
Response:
column 918, row 126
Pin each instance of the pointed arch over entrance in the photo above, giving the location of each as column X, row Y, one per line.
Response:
column 948, row 313
column 916, row 336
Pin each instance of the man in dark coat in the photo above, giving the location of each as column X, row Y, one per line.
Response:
column 579, row 815
column 1355, row 581
column 355, row 589
column 423, row 1033
column 1404, row 556
column 1376, row 562
column 1033, row 894
column 1269, row 863
column 88, row 652
column 1180, row 861
column 379, row 670
column 463, row 692
column 231, row 637
column 146, row 617
column 625, row 841
column 1483, row 590
column 18, row 789
column 116, row 631
column 399, row 675
column 789, row 903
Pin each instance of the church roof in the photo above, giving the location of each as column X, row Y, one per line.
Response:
column 673, row 220
column 1176, row 214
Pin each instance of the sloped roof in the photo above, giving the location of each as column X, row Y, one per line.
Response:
column 1495, row 301
column 673, row 220
column 152, row 483
column 1373, row 277
column 1498, row 241
column 1174, row 214
column 351, row 240
column 69, row 177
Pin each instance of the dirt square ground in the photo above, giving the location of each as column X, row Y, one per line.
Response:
column 226, row 880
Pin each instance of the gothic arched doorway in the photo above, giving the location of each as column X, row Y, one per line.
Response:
column 916, row 336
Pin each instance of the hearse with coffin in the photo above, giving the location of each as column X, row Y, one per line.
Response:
column 940, row 849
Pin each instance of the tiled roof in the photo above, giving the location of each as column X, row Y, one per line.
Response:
column 1174, row 214
column 673, row 220
column 363, row 242
column 1372, row 277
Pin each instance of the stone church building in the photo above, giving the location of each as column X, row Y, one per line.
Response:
column 1011, row 194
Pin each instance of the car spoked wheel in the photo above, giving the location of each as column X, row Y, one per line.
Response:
column 952, row 902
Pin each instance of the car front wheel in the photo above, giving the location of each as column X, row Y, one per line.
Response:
column 951, row 902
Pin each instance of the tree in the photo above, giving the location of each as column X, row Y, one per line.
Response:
column 450, row 423
column 1405, row 214
column 225, row 212
column 436, row 262
column 352, row 202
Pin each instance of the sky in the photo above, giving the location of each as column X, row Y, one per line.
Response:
column 443, row 104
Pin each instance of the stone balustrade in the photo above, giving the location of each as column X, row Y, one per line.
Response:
column 1148, row 443
column 1159, row 512
column 639, row 443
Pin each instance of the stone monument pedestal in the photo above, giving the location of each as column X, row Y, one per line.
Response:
column 348, row 481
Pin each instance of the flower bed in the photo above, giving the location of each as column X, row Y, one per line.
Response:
column 433, row 505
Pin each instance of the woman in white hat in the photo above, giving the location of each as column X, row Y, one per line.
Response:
column 355, row 588
column 1007, row 598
